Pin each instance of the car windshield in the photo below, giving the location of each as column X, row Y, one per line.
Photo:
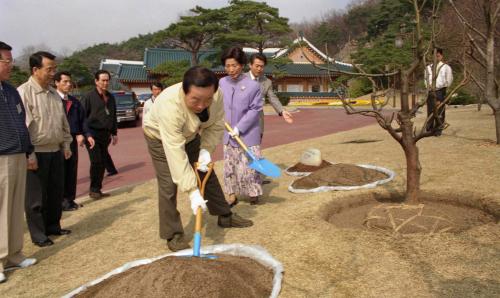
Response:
column 124, row 99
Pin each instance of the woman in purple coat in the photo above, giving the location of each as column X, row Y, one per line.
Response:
column 242, row 107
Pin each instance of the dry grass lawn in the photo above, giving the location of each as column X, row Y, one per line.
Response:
column 320, row 259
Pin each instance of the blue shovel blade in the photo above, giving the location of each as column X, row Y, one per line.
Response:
column 265, row 167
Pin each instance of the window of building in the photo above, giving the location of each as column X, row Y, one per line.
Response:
column 294, row 88
column 315, row 88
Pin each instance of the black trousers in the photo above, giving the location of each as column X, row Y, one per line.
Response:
column 431, row 105
column 97, row 157
column 108, row 162
column 70, row 173
column 170, row 219
column 44, row 194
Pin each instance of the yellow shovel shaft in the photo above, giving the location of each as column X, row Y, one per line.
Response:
column 237, row 138
column 197, row 226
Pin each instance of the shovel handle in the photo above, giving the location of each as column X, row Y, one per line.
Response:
column 237, row 138
column 201, row 185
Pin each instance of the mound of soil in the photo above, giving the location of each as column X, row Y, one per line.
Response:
column 227, row 276
column 339, row 175
column 302, row 168
column 430, row 217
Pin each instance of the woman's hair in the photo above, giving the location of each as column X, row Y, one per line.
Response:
column 235, row 53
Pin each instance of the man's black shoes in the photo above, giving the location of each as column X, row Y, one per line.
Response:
column 44, row 243
column 60, row 232
column 112, row 173
column 70, row 206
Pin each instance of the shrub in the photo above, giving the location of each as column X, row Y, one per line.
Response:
column 359, row 87
column 462, row 98
column 284, row 98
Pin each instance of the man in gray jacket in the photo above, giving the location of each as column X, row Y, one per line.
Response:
column 257, row 64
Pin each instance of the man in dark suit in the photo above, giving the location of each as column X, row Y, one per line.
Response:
column 76, row 116
column 101, row 124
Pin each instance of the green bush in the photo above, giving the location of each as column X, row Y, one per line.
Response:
column 284, row 99
column 359, row 87
column 462, row 98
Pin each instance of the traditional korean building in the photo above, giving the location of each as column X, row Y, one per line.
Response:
column 300, row 80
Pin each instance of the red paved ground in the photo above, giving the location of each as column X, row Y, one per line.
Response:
column 134, row 163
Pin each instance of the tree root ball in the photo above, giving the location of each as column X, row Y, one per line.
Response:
column 227, row 276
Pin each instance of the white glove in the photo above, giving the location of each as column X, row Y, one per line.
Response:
column 203, row 160
column 235, row 133
column 197, row 201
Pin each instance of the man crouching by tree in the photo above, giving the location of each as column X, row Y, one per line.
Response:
column 184, row 126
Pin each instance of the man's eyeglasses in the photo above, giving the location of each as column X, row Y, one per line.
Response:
column 8, row 61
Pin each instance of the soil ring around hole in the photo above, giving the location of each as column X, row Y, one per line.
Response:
column 301, row 170
column 437, row 213
column 226, row 276
column 240, row 271
column 342, row 177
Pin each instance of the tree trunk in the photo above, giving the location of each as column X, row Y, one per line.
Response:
column 491, row 87
column 413, row 168
column 497, row 124
column 413, row 171
column 194, row 58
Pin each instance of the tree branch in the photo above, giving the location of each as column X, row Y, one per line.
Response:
column 464, row 21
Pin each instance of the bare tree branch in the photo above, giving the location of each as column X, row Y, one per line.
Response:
column 465, row 22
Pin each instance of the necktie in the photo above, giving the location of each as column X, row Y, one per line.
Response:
column 67, row 103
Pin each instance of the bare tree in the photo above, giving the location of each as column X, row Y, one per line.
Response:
column 482, row 32
column 400, row 124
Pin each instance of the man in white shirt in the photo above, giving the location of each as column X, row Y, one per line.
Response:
column 437, row 91
column 156, row 89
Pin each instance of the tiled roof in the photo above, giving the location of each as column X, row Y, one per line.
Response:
column 112, row 68
column 133, row 72
column 156, row 56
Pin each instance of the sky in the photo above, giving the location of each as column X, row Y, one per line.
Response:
column 67, row 25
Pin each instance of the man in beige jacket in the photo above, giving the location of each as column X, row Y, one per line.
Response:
column 184, row 125
column 50, row 134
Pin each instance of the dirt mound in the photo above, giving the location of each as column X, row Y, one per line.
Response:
column 227, row 276
column 432, row 216
column 302, row 168
column 339, row 175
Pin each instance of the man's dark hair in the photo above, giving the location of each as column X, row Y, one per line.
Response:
column 235, row 53
column 156, row 84
column 4, row 46
column 100, row 72
column 36, row 58
column 200, row 77
column 59, row 74
column 259, row 56
column 439, row 51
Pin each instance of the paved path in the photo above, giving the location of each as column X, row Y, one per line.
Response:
column 134, row 163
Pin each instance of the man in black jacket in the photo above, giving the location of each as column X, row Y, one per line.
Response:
column 101, row 125
column 76, row 117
